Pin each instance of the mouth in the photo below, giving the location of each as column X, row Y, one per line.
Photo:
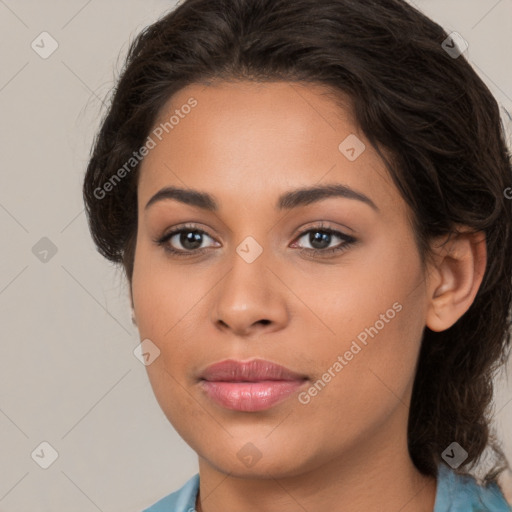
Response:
column 254, row 385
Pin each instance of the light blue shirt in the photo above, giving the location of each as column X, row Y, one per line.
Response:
column 455, row 493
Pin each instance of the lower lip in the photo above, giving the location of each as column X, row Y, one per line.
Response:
column 250, row 396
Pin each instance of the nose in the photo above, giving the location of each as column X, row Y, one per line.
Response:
column 250, row 299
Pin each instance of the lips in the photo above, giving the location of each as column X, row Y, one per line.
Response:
column 255, row 370
column 249, row 386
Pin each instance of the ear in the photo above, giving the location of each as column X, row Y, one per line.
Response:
column 454, row 278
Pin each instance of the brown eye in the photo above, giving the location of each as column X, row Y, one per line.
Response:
column 320, row 239
column 184, row 241
column 189, row 240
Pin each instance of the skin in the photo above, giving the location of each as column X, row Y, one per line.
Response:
column 246, row 144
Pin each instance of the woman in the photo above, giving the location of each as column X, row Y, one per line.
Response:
column 308, row 201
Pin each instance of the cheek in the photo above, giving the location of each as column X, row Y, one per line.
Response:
column 170, row 391
column 380, row 291
column 375, row 313
column 162, row 303
column 163, row 293
column 167, row 304
column 360, row 384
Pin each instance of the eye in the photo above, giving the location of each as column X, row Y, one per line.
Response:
column 190, row 238
column 320, row 239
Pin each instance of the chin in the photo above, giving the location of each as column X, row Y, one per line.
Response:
column 255, row 457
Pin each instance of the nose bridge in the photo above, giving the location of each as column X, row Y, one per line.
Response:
column 249, row 293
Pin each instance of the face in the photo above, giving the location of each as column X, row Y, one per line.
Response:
column 328, row 285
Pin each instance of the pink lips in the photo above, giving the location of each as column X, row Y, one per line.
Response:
column 249, row 386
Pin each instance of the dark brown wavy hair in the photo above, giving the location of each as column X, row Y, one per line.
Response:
column 413, row 101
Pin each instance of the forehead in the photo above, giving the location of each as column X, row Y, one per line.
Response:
column 259, row 139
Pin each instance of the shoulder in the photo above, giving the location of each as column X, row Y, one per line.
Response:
column 182, row 500
column 462, row 493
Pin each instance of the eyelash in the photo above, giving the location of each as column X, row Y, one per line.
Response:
column 318, row 253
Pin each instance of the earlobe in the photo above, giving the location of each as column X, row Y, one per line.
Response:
column 459, row 267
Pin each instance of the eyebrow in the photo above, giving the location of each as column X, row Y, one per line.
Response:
column 287, row 201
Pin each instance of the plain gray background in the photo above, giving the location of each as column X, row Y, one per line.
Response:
column 68, row 375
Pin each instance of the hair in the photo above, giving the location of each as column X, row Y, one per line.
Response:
column 428, row 111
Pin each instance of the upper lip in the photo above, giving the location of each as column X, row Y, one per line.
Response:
column 248, row 371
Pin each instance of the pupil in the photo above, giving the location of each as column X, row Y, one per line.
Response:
column 191, row 239
column 318, row 238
